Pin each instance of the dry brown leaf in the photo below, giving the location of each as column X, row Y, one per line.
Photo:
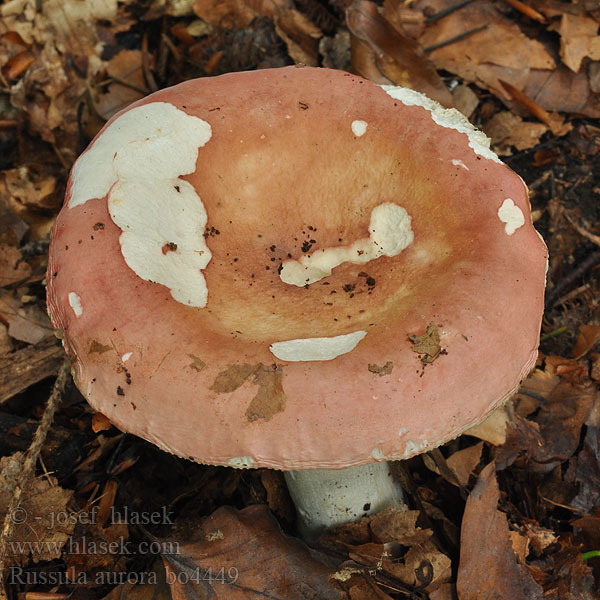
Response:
column 126, row 69
column 427, row 344
column 27, row 323
column 493, row 428
column 12, row 267
column 463, row 462
column 423, row 566
column 578, row 38
column 398, row 525
column 300, row 35
column 588, row 336
column 396, row 57
column 42, row 523
column 243, row 555
column 488, row 565
column 237, row 13
column 509, row 131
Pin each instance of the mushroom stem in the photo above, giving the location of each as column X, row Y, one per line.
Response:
column 326, row 498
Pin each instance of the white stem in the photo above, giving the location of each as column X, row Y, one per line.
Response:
column 326, row 498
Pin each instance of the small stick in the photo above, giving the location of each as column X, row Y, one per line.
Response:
column 456, row 38
column 447, row 11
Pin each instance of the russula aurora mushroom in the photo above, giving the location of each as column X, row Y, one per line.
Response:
column 297, row 269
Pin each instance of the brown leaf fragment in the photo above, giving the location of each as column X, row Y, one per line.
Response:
column 427, row 344
column 385, row 370
column 197, row 363
column 397, row 57
column 240, row 555
column 588, row 336
column 423, row 566
column 12, row 267
column 488, row 565
column 463, row 462
column 125, row 69
column 269, row 399
column 98, row 348
column 553, row 120
column 508, row 131
column 578, row 38
column 232, row 378
column 37, row 534
column 398, row 525
column 300, row 35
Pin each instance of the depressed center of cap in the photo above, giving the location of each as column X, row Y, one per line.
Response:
column 137, row 162
column 390, row 233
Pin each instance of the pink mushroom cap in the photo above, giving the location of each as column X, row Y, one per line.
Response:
column 243, row 264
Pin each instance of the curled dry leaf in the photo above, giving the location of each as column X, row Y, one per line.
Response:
column 396, row 57
column 588, row 336
column 578, row 38
column 243, row 555
column 488, row 565
column 508, row 131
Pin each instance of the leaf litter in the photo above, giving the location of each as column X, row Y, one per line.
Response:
column 519, row 493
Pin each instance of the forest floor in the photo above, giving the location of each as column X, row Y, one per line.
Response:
column 509, row 510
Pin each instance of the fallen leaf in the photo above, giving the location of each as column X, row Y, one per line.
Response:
column 397, row 57
column 423, row 567
column 508, row 131
column 488, row 565
column 578, row 39
column 36, row 534
column 243, row 554
column 125, row 69
column 463, row 462
column 493, row 428
column 13, row 269
column 427, row 344
column 300, row 35
column 398, row 525
column 588, row 336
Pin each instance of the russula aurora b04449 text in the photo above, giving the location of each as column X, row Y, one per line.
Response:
column 298, row 269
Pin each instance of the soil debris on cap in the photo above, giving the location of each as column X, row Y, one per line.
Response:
column 385, row 370
column 427, row 344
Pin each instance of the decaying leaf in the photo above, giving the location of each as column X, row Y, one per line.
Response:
column 398, row 59
column 243, row 554
column 427, row 344
column 37, row 534
column 488, row 564
column 588, row 336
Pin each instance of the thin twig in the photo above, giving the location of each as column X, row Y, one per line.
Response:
column 456, row 38
column 447, row 11
column 568, row 280
column 30, row 460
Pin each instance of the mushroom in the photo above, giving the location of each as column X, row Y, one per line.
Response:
column 297, row 269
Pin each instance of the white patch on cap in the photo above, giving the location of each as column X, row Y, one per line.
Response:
column 359, row 128
column 377, row 454
column 446, row 117
column 511, row 215
column 126, row 356
column 137, row 161
column 402, row 431
column 390, row 233
column 241, row 462
column 412, row 448
column 323, row 348
column 75, row 303
column 459, row 163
